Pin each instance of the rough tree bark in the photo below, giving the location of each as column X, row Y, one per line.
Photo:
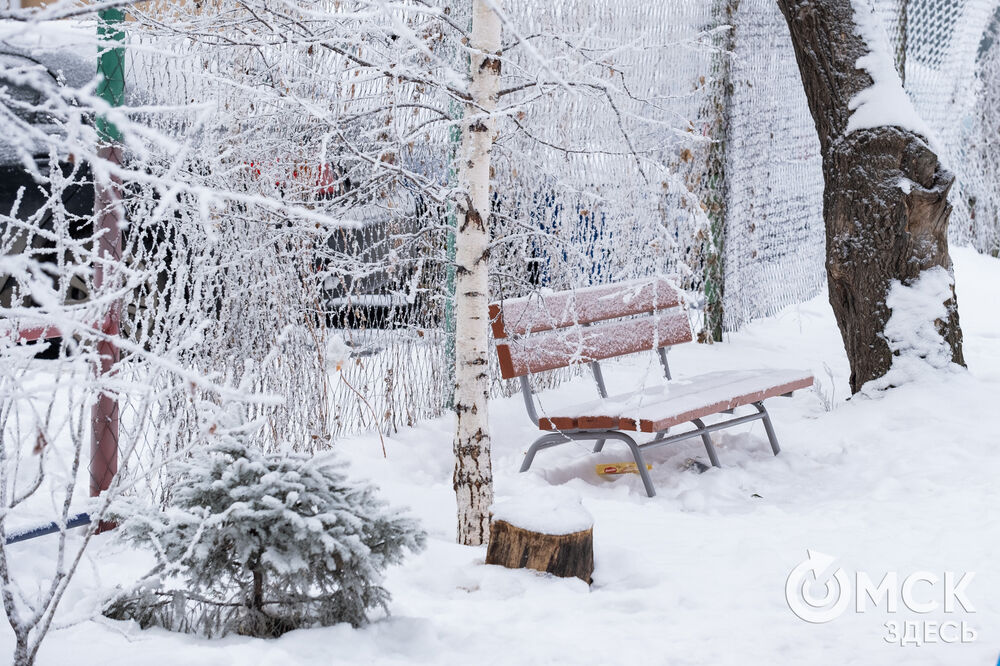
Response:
column 473, row 478
column 564, row 555
column 876, row 231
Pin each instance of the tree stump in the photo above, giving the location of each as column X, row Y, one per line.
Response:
column 558, row 540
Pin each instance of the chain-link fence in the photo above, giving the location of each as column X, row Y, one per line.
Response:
column 314, row 161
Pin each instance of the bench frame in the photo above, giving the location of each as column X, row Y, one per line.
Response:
column 601, row 436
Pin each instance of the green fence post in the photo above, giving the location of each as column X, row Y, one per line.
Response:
column 456, row 111
column 455, row 140
column 724, row 13
column 111, row 67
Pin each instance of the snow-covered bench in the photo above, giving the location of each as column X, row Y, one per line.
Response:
column 553, row 330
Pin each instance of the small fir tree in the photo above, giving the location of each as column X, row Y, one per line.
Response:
column 262, row 544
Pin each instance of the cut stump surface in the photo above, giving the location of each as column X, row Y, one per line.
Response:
column 564, row 555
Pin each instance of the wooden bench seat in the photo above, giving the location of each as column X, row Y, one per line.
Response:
column 655, row 409
column 551, row 330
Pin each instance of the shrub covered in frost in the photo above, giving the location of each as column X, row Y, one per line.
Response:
column 262, row 544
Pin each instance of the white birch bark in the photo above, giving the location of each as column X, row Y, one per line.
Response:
column 473, row 478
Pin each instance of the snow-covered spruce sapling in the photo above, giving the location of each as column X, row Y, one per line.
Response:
column 262, row 544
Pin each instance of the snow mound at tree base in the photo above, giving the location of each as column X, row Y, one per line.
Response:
column 919, row 350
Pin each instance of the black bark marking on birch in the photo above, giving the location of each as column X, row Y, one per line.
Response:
column 471, row 450
column 491, row 63
column 875, row 232
column 472, row 216
column 476, row 477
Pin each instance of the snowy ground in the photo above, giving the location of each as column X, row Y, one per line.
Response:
column 904, row 482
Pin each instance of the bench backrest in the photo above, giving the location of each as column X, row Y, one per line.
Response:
column 545, row 331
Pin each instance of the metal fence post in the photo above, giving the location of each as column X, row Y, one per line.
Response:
column 716, row 199
column 455, row 139
column 108, row 217
column 456, row 110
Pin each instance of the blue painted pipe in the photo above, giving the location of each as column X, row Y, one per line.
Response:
column 79, row 520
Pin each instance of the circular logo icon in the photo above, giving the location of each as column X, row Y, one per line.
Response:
column 803, row 582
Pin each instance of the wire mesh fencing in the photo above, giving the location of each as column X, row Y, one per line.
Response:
column 682, row 144
column 300, row 189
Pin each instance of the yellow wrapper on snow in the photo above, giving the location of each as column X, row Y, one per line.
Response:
column 619, row 468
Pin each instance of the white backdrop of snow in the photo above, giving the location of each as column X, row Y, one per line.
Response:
column 905, row 481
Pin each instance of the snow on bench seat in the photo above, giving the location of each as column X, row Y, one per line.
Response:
column 653, row 409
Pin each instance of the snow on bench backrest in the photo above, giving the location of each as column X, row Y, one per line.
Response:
column 565, row 338
column 559, row 309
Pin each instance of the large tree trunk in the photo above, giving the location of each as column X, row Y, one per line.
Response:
column 473, row 477
column 877, row 231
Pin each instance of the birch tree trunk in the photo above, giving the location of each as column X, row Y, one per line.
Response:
column 473, row 478
column 885, row 202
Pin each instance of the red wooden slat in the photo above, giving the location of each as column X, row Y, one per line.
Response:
column 33, row 333
column 558, row 349
column 628, row 424
column 546, row 312
column 647, row 425
column 37, row 333
column 597, row 423
column 496, row 321
column 557, row 423
column 506, row 362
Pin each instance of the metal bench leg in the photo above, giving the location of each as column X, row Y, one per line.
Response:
column 543, row 442
column 709, row 447
column 599, row 446
column 643, row 472
column 557, row 438
column 771, row 437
